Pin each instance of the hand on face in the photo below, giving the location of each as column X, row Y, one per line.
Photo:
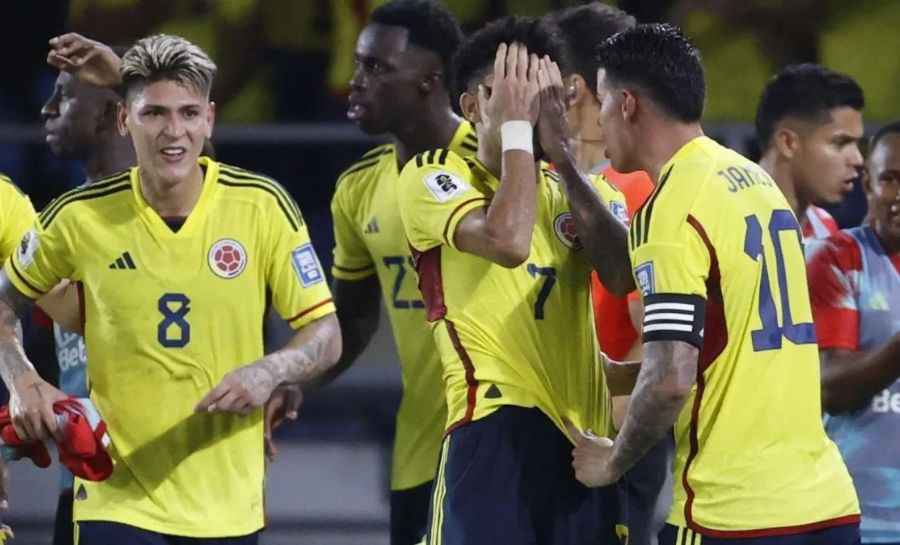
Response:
column 553, row 128
column 514, row 92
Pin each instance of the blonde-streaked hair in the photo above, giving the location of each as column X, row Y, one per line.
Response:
column 166, row 57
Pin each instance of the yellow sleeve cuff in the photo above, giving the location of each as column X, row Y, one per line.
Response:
column 458, row 214
column 19, row 281
column 313, row 313
column 351, row 274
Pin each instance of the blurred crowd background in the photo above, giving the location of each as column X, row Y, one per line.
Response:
column 283, row 72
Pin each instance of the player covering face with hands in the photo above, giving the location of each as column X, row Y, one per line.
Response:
column 505, row 285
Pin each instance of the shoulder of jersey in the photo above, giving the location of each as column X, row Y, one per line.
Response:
column 549, row 173
column 89, row 194
column 263, row 187
column 441, row 158
column 469, row 144
column 6, row 181
column 365, row 165
column 661, row 207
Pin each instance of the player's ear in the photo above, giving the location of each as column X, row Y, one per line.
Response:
column 122, row 118
column 577, row 90
column 107, row 117
column 629, row 105
column 470, row 108
column 786, row 141
column 429, row 82
column 210, row 118
column 866, row 180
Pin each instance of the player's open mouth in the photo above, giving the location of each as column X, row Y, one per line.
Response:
column 356, row 111
column 173, row 153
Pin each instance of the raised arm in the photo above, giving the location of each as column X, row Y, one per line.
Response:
column 309, row 354
column 31, row 397
column 358, row 309
column 501, row 232
column 603, row 236
column 89, row 60
column 666, row 377
column 851, row 379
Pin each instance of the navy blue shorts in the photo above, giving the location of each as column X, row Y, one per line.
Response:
column 640, row 490
column 507, row 479
column 847, row 534
column 409, row 514
column 113, row 533
column 63, row 528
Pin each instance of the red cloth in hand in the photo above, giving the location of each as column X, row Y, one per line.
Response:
column 82, row 451
column 36, row 451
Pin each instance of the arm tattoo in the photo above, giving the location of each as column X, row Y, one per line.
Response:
column 664, row 383
column 604, row 237
column 13, row 305
column 306, row 357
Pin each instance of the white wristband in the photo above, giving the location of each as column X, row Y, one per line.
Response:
column 517, row 135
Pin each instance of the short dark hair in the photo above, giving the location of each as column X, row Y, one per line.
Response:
column 890, row 128
column 662, row 62
column 429, row 23
column 477, row 52
column 806, row 91
column 584, row 28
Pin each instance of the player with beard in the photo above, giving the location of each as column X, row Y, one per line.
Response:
column 399, row 88
column 809, row 125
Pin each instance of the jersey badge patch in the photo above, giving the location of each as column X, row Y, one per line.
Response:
column 306, row 265
column 444, row 186
column 227, row 258
column 28, row 247
column 564, row 226
column 619, row 211
column 646, row 282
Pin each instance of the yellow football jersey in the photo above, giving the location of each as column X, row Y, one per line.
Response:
column 16, row 217
column 521, row 336
column 369, row 240
column 717, row 256
column 167, row 315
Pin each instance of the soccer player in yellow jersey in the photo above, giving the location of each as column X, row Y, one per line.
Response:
column 506, row 291
column 174, row 260
column 730, row 355
column 399, row 87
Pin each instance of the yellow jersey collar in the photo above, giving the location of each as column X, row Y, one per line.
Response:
column 211, row 174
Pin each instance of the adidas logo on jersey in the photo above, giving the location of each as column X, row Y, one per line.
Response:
column 122, row 262
column 372, row 227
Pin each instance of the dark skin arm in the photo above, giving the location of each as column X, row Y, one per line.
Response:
column 604, row 237
column 851, row 379
column 31, row 397
column 359, row 309
column 667, row 376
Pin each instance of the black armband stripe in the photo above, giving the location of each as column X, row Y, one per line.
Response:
column 674, row 317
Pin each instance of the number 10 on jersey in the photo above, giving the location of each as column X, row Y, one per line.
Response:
column 769, row 336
